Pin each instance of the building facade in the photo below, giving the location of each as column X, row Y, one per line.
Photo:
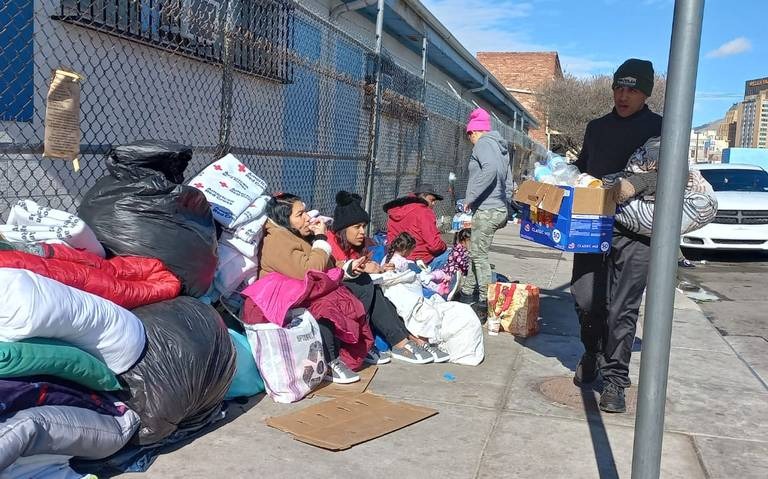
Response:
column 753, row 123
column 526, row 75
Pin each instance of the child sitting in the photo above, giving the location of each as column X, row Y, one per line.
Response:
column 397, row 254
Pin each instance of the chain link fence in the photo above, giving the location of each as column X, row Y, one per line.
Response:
column 285, row 91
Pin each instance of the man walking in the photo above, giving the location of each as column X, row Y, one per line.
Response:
column 608, row 289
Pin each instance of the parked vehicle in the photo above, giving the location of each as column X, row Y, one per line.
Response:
column 742, row 216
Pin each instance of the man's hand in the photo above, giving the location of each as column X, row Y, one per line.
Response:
column 622, row 192
column 467, row 208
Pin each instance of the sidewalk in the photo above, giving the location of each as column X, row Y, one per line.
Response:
column 518, row 415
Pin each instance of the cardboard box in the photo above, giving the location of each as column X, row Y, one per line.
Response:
column 346, row 421
column 576, row 220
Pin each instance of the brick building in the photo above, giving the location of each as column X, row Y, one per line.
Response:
column 525, row 74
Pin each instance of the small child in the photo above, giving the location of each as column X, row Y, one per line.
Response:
column 397, row 254
column 458, row 260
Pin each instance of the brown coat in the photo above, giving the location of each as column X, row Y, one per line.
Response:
column 284, row 252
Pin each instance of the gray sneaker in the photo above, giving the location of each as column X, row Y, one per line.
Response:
column 339, row 373
column 438, row 354
column 412, row 353
column 376, row 356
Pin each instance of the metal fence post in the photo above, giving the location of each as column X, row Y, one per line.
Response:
column 228, row 59
column 424, row 117
column 673, row 168
column 376, row 123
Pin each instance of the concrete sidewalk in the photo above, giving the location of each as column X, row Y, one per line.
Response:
column 517, row 414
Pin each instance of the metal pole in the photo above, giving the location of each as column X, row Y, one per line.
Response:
column 376, row 110
column 660, row 297
column 225, row 37
column 423, row 120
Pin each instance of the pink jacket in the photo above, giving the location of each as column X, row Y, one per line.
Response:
column 271, row 297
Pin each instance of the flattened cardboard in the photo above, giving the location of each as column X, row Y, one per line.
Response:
column 343, row 422
column 333, row 390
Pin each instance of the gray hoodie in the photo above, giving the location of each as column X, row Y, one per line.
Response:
column 490, row 181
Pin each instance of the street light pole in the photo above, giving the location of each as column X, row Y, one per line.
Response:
column 660, row 297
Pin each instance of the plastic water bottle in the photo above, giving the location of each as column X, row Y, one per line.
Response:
column 542, row 173
column 556, row 163
column 567, row 175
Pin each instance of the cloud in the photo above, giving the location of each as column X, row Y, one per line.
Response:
column 502, row 26
column 482, row 26
column 733, row 47
column 582, row 66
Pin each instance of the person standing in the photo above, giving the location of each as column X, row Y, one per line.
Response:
column 608, row 289
column 489, row 189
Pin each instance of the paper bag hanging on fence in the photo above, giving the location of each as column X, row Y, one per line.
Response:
column 62, row 116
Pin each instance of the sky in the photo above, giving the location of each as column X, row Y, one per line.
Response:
column 596, row 36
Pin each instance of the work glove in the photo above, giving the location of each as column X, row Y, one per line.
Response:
column 622, row 192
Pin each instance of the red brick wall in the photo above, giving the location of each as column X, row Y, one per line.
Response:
column 525, row 71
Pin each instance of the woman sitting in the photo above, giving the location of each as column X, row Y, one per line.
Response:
column 348, row 245
column 292, row 246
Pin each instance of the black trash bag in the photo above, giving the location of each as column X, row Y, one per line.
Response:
column 185, row 371
column 142, row 208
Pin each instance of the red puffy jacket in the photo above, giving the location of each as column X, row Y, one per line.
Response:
column 128, row 281
column 413, row 215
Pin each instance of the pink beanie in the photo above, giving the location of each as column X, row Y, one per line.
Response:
column 479, row 120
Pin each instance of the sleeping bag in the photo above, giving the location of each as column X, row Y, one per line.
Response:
column 186, row 370
column 33, row 306
column 142, row 209
column 128, row 281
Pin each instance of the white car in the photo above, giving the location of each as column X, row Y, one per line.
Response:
column 742, row 214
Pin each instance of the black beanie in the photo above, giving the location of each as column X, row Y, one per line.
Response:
column 348, row 211
column 635, row 73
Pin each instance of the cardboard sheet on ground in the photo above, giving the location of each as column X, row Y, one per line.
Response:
column 347, row 421
column 333, row 390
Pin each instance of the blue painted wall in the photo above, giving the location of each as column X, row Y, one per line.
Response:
column 16, row 62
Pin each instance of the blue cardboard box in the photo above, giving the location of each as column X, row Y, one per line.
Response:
column 575, row 220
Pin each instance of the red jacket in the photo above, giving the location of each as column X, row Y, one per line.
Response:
column 413, row 215
column 128, row 281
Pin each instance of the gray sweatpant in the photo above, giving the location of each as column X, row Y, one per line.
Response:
column 608, row 290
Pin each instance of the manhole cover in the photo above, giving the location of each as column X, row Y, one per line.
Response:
column 562, row 391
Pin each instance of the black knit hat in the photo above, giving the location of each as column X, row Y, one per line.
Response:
column 348, row 211
column 635, row 73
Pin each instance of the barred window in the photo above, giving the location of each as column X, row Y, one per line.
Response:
column 261, row 30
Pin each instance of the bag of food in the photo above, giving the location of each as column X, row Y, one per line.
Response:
column 516, row 306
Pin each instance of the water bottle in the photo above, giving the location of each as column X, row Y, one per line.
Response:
column 567, row 175
column 556, row 163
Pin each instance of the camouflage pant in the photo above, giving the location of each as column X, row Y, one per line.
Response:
column 485, row 223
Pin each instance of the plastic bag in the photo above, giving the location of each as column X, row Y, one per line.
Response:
column 142, row 209
column 516, row 306
column 460, row 334
column 290, row 359
column 186, row 369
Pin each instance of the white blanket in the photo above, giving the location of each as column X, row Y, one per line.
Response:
column 29, row 222
column 32, row 306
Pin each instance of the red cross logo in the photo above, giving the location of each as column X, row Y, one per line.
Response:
column 241, row 168
column 223, row 184
column 199, row 185
column 217, row 167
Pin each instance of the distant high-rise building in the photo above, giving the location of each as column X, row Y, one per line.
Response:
column 727, row 129
column 752, row 131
